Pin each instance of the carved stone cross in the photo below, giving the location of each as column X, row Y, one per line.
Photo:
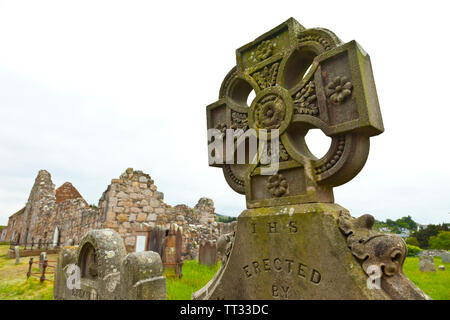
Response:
column 303, row 79
column 293, row 242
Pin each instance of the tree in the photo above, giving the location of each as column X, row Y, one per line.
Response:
column 441, row 241
column 432, row 230
column 412, row 241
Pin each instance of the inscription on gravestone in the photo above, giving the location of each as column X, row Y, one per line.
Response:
column 293, row 241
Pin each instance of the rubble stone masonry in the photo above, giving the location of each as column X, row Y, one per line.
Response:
column 131, row 205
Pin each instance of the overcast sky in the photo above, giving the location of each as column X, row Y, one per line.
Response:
column 90, row 88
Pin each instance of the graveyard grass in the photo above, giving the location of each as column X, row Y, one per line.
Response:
column 15, row 286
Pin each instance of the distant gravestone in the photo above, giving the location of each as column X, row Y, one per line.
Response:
column 42, row 257
column 426, row 264
column 106, row 272
column 156, row 238
column 17, row 254
column 172, row 249
column 446, row 257
column 293, row 241
column 441, row 267
column 207, row 253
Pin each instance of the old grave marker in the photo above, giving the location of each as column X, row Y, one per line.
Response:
column 426, row 264
column 446, row 257
column 207, row 253
column 293, row 241
column 106, row 272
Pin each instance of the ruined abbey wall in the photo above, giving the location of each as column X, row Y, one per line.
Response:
column 131, row 205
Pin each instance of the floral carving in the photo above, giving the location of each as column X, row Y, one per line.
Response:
column 305, row 100
column 283, row 155
column 267, row 77
column 387, row 251
column 270, row 112
column 222, row 127
column 339, row 89
column 264, row 50
column 239, row 121
column 277, row 185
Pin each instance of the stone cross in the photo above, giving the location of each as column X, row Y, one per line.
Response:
column 303, row 79
column 293, row 241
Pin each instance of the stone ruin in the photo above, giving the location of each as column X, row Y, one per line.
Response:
column 131, row 205
column 293, row 241
column 105, row 271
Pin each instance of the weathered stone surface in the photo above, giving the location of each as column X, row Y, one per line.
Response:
column 141, row 277
column 66, row 256
column 55, row 216
column 297, row 252
column 293, row 242
column 107, row 273
column 17, row 254
column 446, row 257
column 207, row 254
column 426, row 264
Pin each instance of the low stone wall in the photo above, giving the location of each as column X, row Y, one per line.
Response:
column 30, row 253
column 431, row 253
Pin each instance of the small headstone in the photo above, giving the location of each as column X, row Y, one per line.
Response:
column 446, row 257
column 156, row 238
column 441, row 267
column 99, row 269
column 141, row 277
column 207, row 253
column 172, row 249
column 17, row 254
column 426, row 264
column 42, row 257
column 69, row 242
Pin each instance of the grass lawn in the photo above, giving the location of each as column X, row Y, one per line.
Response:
column 435, row 284
column 15, row 286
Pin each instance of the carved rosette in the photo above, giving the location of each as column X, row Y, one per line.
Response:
column 270, row 112
column 277, row 185
column 339, row 89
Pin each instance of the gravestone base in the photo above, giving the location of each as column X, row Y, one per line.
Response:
column 302, row 252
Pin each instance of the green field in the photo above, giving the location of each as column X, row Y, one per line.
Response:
column 15, row 286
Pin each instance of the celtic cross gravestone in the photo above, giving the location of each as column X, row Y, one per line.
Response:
column 293, row 241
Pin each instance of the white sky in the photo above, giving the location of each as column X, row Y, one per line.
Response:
column 89, row 88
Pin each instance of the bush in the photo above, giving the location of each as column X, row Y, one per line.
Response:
column 413, row 250
column 441, row 241
column 413, row 241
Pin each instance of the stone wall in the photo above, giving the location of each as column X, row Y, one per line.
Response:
column 51, row 216
column 131, row 205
